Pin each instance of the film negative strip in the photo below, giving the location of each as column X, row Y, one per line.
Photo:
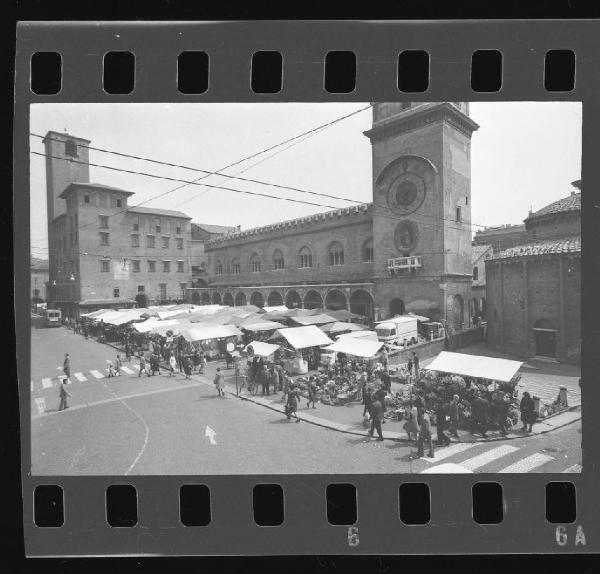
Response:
column 374, row 236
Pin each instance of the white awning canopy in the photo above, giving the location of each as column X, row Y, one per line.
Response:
column 262, row 326
column 125, row 316
column 320, row 319
column 274, row 308
column 356, row 347
column 478, row 366
column 369, row 335
column 207, row 332
column 340, row 327
column 303, row 337
column 261, row 349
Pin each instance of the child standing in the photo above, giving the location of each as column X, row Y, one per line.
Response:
column 172, row 365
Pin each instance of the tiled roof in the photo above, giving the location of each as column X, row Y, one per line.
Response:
column 214, row 228
column 93, row 186
column 564, row 245
column 570, row 203
column 40, row 264
column 158, row 211
column 322, row 216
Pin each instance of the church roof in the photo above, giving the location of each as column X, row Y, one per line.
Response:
column 570, row 203
column 551, row 247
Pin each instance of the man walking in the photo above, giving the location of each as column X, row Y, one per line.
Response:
column 425, row 436
column 453, row 413
column 264, row 379
column 376, row 417
column 142, row 366
column 64, row 394
column 311, row 393
column 387, row 381
column 479, row 415
column 118, row 365
column 67, row 366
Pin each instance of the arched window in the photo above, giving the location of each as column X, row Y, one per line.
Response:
column 367, row 251
column 278, row 260
column 219, row 268
column 475, row 273
column 336, row 253
column 255, row 263
column 235, row 267
column 304, row 258
column 70, row 148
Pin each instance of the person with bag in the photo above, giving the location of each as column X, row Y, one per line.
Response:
column 291, row 406
column 376, row 417
column 142, row 366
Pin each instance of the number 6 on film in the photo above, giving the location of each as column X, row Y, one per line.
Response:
column 353, row 539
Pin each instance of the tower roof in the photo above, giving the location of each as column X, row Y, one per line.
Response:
column 51, row 135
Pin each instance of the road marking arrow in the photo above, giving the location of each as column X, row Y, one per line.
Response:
column 210, row 433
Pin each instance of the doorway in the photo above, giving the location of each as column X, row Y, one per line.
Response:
column 396, row 307
column 545, row 342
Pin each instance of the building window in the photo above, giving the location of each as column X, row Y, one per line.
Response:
column 278, row 260
column 235, row 267
column 183, row 287
column 135, row 241
column 141, row 289
column 255, row 263
column 103, row 238
column 367, row 253
column 149, row 240
column 151, row 266
column 116, row 292
column 336, row 253
column 305, row 258
column 136, row 266
column 178, row 228
column 475, row 273
column 104, row 266
column 70, row 148
column 466, row 200
column 86, row 198
column 136, row 223
column 103, row 221
column 119, row 202
column 458, row 215
column 179, row 242
column 165, row 242
column 157, row 224
column 166, row 266
column 180, row 267
column 163, row 290
column 219, row 268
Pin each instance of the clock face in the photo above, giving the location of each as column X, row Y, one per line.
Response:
column 406, row 193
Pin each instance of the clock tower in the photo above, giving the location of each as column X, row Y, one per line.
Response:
column 422, row 209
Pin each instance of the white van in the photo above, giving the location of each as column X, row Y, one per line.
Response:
column 398, row 329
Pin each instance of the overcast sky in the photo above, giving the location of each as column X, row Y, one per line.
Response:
column 524, row 155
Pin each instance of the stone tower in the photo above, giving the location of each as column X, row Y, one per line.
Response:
column 67, row 161
column 422, row 209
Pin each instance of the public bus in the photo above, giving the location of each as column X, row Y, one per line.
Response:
column 52, row 318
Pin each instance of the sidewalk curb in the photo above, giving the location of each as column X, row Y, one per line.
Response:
column 332, row 426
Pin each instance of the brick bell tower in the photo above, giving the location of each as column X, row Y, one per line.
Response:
column 422, row 209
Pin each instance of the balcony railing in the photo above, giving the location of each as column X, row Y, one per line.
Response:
column 403, row 264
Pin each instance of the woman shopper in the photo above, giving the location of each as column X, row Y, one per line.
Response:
column 411, row 426
column 172, row 365
column 220, row 382
column 312, row 391
column 187, row 367
column 527, row 409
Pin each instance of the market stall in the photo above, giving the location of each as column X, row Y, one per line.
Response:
column 211, row 339
column 303, row 346
column 320, row 319
column 340, row 327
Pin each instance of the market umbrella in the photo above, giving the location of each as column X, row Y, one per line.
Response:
column 340, row 327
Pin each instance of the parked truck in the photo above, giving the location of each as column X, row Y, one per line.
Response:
column 399, row 330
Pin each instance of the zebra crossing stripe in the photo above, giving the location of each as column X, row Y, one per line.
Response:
column 446, row 452
column 47, row 383
column 97, row 374
column 80, row 377
column 528, row 463
column 488, row 456
column 127, row 370
column 574, row 468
